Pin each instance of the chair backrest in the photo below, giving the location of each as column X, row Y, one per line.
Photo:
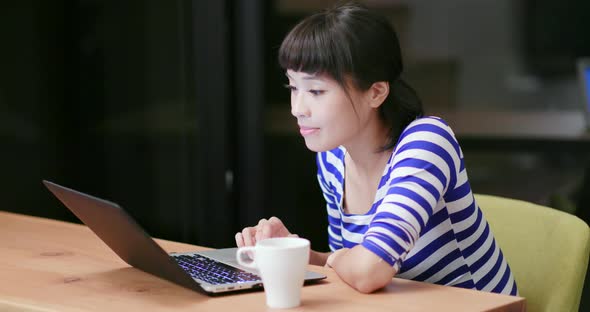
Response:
column 546, row 249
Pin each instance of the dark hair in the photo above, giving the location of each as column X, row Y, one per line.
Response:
column 349, row 40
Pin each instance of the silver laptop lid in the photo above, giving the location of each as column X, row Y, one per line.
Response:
column 123, row 235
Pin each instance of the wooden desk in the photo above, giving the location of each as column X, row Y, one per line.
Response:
column 49, row 265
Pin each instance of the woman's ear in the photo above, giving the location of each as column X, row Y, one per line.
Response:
column 378, row 93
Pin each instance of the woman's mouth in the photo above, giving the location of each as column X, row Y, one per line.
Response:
column 305, row 131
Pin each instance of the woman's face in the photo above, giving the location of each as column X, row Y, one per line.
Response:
column 324, row 111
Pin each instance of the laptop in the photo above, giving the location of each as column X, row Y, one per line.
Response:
column 584, row 78
column 210, row 272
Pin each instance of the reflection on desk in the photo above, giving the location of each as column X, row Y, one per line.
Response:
column 49, row 265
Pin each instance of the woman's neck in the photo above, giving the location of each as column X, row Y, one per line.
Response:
column 365, row 155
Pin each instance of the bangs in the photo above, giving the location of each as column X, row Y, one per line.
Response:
column 313, row 47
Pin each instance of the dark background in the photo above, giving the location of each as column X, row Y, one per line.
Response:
column 156, row 105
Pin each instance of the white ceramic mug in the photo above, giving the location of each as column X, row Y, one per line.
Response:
column 281, row 262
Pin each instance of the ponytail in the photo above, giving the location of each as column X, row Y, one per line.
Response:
column 402, row 106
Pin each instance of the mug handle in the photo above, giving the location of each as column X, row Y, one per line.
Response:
column 249, row 264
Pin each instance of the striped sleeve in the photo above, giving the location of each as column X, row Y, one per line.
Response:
column 334, row 224
column 425, row 165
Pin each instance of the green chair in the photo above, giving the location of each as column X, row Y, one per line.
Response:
column 546, row 249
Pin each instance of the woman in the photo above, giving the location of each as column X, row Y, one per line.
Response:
column 398, row 199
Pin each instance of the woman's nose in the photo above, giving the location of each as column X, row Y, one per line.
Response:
column 298, row 107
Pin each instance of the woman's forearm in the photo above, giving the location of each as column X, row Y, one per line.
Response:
column 362, row 269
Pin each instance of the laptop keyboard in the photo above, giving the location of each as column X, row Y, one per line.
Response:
column 212, row 271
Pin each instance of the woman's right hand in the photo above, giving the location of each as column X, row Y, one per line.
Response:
column 272, row 227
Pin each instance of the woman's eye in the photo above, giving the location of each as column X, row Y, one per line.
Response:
column 290, row 87
column 316, row 92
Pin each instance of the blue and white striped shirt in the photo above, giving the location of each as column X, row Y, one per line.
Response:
column 424, row 220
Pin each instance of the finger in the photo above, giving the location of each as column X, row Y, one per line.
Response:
column 239, row 239
column 262, row 221
column 259, row 233
column 278, row 227
column 265, row 230
column 276, row 221
column 247, row 235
